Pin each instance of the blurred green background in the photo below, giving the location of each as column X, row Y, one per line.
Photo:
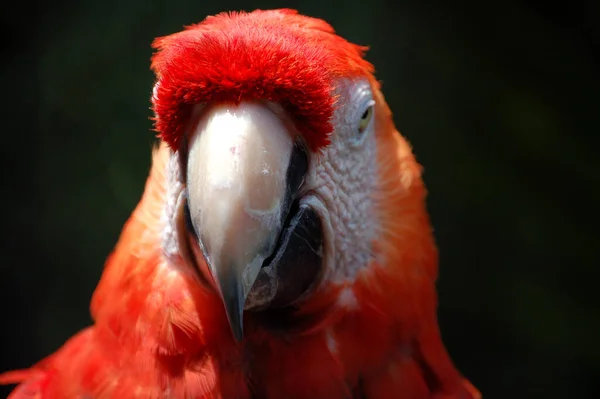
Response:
column 499, row 99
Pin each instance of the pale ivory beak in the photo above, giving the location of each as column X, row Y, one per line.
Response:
column 239, row 194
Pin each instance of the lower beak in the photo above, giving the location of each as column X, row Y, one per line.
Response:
column 245, row 167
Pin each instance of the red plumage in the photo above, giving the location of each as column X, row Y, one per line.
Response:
column 291, row 60
column 161, row 332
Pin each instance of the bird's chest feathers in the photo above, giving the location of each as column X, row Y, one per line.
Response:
column 329, row 361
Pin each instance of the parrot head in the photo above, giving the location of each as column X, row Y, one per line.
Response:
column 282, row 247
column 273, row 120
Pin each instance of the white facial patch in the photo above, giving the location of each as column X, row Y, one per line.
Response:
column 343, row 177
column 174, row 186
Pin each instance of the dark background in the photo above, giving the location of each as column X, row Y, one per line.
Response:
column 499, row 99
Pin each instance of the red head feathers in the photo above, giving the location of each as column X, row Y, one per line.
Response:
column 275, row 55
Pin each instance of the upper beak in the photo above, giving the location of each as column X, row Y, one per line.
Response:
column 245, row 167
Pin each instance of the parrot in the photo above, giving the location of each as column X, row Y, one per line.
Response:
column 282, row 246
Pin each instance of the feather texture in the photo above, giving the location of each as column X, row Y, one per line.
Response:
column 275, row 55
column 159, row 332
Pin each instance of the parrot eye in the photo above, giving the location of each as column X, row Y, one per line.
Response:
column 366, row 117
column 364, row 123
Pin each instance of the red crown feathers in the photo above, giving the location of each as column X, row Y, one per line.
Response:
column 276, row 55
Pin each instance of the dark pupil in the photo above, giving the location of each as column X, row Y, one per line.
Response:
column 366, row 113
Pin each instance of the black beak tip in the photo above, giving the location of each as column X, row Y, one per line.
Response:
column 234, row 307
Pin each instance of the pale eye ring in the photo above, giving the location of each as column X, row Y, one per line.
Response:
column 366, row 117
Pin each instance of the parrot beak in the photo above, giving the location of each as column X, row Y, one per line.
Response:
column 245, row 167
